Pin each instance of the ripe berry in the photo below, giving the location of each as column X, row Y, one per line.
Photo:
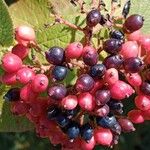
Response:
column 113, row 61
column 12, row 95
column 129, row 49
column 53, row 112
column 20, row 50
column 121, row 90
column 112, row 46
column 126, row 125
column 103, row 136
column 102, row 97
column 9, row 78
column 93, row 18
column 102, row 111
column 90, row 56
column 84, row 83
column 69, row 102
column 25, row 75
column 59, row 72
column 40, row 83
column 11, row 63
column 74, row 50
column 97, row 70
column 133, row 64
column 55, row 55
column 116, row 34
column 142, row 102
column 62, row 120
column 145, row 88
column 86, row 101
column 133, row 23
column 57, row 92
column 136, row 116
column 24, row 35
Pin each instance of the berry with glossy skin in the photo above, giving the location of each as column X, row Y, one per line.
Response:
column 93, row 18
column 59, row 72
column 136, row 116
column 74, row 50
column 86, row 132
column 142, row 102
column 111, row 76
column 11, row 63
column 62, row 120
column 113, row 61
column 126, row 125
column 90, row 56
column 133, row 64
column 25, row 34
column 121, row 90
column 97, row 70
column 40, row 83
column 102, row 111
column 129, row 49
column 98, row 85
column 9, row 78
column 57, row 92
column 69, row 102
column 12, row 94
column 103, row 136
column 86, row 101
column 53, row 112
column 55, row 55
column 134, row 36
column 84, row 83
column 25, row 75
column 116, row 34
column 71, row 113
column 145, row 88
column 133, row 23
column 20, row 50
column 102, row 97
column 134, row 79
column 73, row 130
column 112, row 46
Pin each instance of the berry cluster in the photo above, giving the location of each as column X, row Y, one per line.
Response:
column 90, row 112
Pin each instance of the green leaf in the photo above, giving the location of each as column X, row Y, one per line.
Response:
column 6, row 26
column 9, row 122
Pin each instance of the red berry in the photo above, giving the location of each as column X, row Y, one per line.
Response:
column 103, row 136
column 69, row 102
column 9, row 78
column 25, row 75
column 86, row 101
column 98, row 85
column 134, row 36
column 20, row 50
column 11, row 62
column 40, row 83
column 74, row 50
column 129, row 49
column 146, row 114
column 136, row 116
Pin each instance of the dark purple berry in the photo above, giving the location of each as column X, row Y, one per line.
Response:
column 145, row 88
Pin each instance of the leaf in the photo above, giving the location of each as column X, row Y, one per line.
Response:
column 9, row 122
column 6, row 26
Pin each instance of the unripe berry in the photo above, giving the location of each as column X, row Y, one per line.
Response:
column 134, row 36
column 102, row 111
column 69, row 102
column 11, row 63
column 74, row 50
column 86, row 101
column 9, row 78
column 103, row 136
column 40, row 83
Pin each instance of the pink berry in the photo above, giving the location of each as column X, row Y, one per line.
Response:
column 86, row 101
column 102, row 111
column 11, row 63
column 74, row 50
column 134, row 36
column 20, row 50
column 142, row 102
column 129, row 49
column 69, row 102
column 136, row 116
column 121, row 90
column 40, row 83
column 25, row 75
column 98, row 85
column 103, row 136
column 134, row 79
column 88, row 145
column 9, row 78
column 24, row 35
column 111, row 76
